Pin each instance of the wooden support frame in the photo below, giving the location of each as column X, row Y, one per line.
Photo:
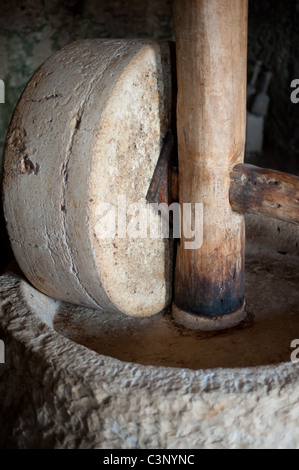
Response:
column 211, row 43
column 271, row 193
column 211, row 55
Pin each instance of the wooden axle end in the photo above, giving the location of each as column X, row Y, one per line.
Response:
column 197, row 322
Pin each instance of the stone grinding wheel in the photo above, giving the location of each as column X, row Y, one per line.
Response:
column 88, row 128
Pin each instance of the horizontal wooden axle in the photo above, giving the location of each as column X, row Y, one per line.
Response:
column 271, row 193
column 252, row 190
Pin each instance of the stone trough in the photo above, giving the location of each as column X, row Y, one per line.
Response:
column 77, row 378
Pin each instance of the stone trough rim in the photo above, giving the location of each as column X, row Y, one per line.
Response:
column 31, row 332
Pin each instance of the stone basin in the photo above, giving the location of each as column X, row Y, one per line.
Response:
column 80, row 378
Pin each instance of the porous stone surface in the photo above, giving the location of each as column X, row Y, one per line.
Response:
column 264, row 337
column 56, row 393
column 80, row 153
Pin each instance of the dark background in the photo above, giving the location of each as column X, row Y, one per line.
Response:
column 31, row 30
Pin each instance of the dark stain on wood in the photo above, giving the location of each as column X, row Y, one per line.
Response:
column 219, row 292
column 267, row 192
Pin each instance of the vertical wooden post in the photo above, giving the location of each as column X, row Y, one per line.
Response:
column 211, row 50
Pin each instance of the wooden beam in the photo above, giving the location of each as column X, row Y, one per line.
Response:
column 271, row 193
column 211, row 54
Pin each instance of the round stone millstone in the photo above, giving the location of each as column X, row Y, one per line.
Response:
column 85, row 137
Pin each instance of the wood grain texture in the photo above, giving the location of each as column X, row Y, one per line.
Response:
column 267, row 192
column 211, row 44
